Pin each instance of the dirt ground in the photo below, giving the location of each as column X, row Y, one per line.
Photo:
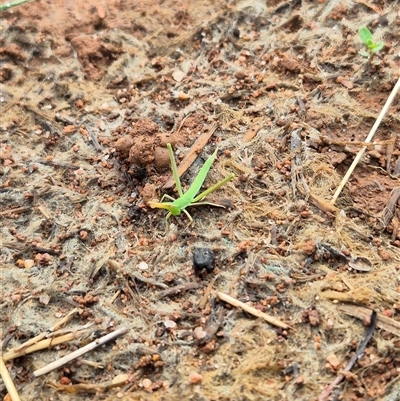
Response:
column 90, row 94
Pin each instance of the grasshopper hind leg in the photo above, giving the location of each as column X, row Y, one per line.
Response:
column 189, row 217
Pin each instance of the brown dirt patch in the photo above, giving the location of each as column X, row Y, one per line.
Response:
column 91, row 93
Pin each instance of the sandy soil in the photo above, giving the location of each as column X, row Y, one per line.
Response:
column 90, row 94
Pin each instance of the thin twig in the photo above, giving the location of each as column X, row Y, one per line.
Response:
column 178, row 288
column 357, row 355
column 369, row 139
column 206, row 294
column 21, row 209
column 118, row 381
column 146, row 280
column 94, row 364
column 73, row 355
column 93, row 137
column 57, row 163
column 61, row 332
column 7, row 380
column 253, row 311
column 28, row 247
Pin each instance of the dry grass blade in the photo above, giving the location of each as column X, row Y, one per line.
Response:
column 67, row 358
column 383, row 322
column 369, row 139
column 49, row 342
column 255, row 312
column 322, row 204
column 388, row 211
column 5, row 375
column 207, row 293
column 177, row 289
column 117, row 381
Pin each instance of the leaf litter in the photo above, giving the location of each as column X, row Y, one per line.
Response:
column 91, row 94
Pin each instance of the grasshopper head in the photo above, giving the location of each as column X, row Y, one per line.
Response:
column 174, row 210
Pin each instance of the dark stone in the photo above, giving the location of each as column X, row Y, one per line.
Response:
column 203, row 258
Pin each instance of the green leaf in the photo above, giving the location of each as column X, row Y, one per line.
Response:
column 366, row 36
column 376, row 47
column 10, row 4
column 370, row 44
column 363, row 53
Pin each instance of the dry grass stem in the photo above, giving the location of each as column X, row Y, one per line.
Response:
column 89, row 347
column 177, row 289
column 388, row 211
column 117, row 381
column 50, row 342
column 255, row 312
column 5, row 375
column 367, row 140
column 206, row 294
column 362, row 313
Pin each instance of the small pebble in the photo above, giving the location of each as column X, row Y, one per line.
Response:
column 146, row 383
column 199, row 333
column 169, row 324
column 333, row 360
column 388, row 313
column 65, row 380
column 195, row 378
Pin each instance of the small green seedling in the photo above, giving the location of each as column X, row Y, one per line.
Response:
column 11, row 4
column 189, row 198
column 368, row 40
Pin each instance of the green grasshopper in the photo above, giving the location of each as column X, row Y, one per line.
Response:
column 189, row 198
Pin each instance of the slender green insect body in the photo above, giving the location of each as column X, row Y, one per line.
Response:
column 189, row 198
column 197, row 183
